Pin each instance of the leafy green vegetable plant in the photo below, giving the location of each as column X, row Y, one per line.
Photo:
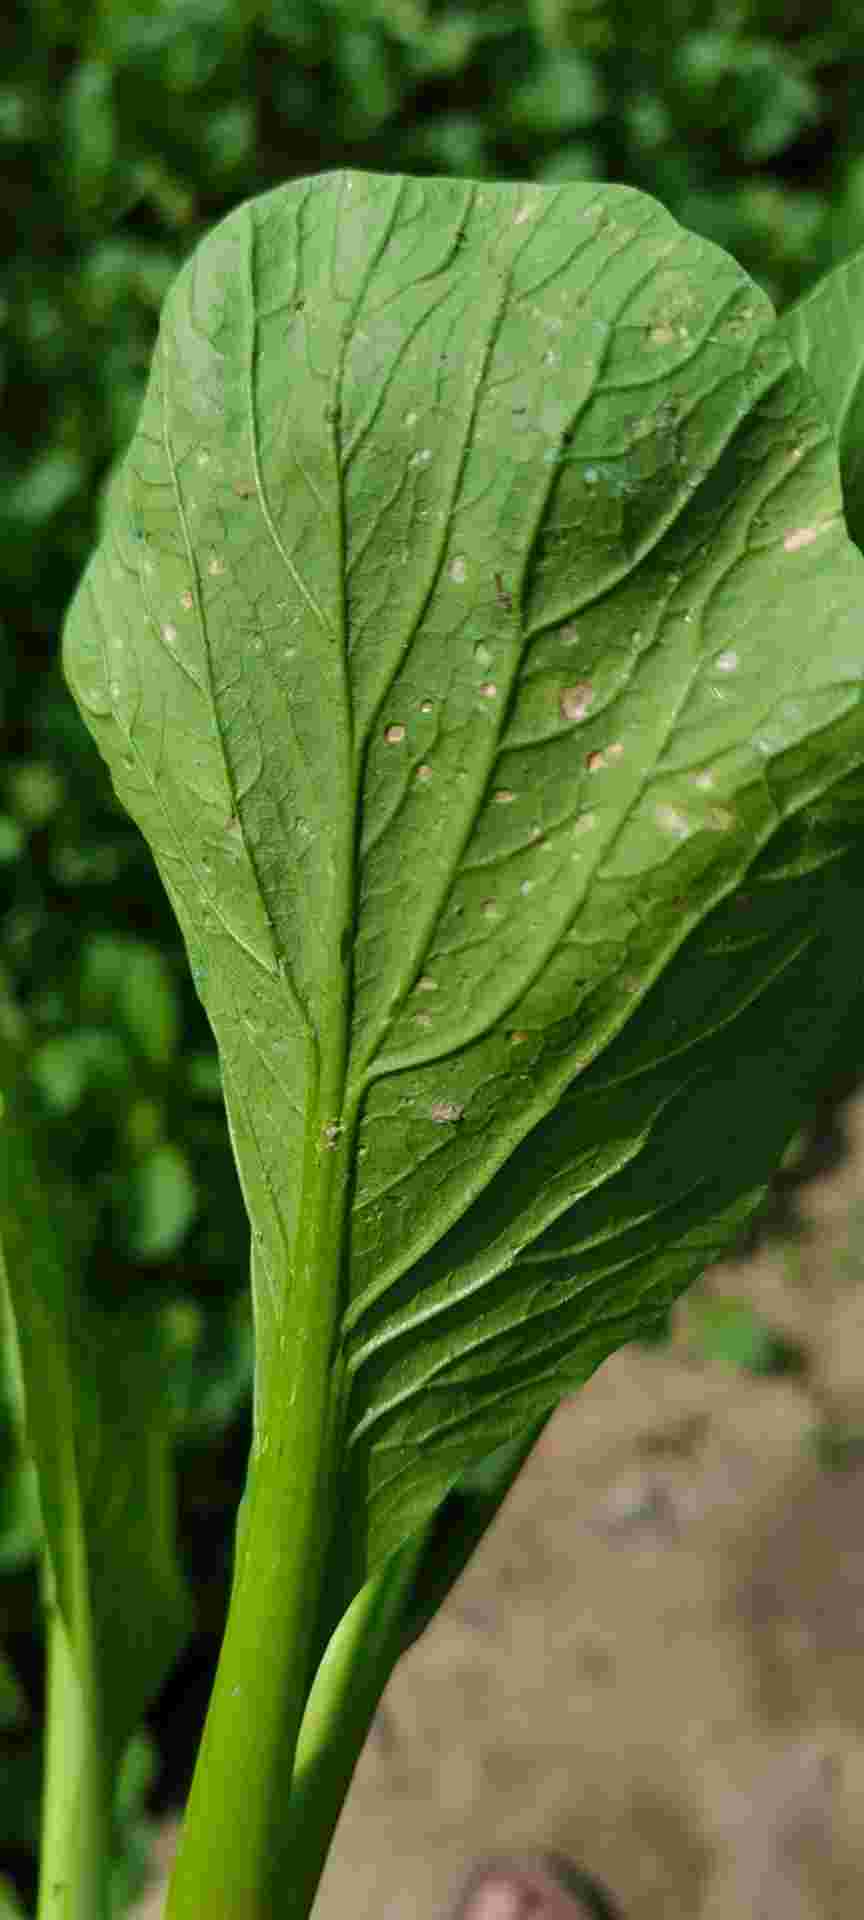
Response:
column 477, row 639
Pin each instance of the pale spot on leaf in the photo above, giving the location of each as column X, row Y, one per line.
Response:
column 426, row 706
column 726, row 662
column 704, row 779
column 490, row 909
column 574, row 701
column 458, row 569
column 518, row 1037
column 672, row 821
column 503, row 796
column 489, row 690
column 595, row 761
column 394, row 734
column 169, row 635
column 215, row 565
column 426, row 984
column 801, row 537
column 186, row 601
column 444, row 1112
column 424, row 773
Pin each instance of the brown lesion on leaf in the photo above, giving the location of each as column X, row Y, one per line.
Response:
column 504, row 598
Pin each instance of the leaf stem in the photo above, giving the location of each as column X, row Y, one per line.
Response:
column 75, row 1854
column 345, row 1693
column 231, row 1864
column 235, row 1861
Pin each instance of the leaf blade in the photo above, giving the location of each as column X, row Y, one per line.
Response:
column 824, row 332
column 522, row 624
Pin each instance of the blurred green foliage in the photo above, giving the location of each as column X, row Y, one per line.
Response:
column 126, row 128
column 731, row 1332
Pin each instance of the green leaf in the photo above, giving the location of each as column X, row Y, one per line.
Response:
column 68, row 1065
column 477, row 640
column 13, row 1700
column 91, row 134
column 131, row 981
column 563, row 91
column 825, row 332
column 46, row 485
column 98, row 1428
column 163, row 1202
column 732, row 1332
column 10, row 1908
column 20, row 1523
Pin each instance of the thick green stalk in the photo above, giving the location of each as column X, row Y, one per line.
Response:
column 235, row 1858
column 232, row 1862
column 75, row 1846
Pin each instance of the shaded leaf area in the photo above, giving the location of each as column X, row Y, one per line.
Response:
column 824, row 331
column 475, row 616
column 96, row 1425
column 686, row 1115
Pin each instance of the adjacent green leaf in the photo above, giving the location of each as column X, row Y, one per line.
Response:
column 563, row 91
column 10, row 1908
column 66, row 1066
column 825, row 332
column 163, row 1202
column 13, row 1700
column 477, row 640
column 732, row 1332
column 98, row 1428
column 132, row 981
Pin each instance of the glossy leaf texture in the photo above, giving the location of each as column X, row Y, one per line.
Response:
column 477, row 640
column 97, row 1426
column 825, row 332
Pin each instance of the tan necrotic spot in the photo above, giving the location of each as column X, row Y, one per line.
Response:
column 574, row 701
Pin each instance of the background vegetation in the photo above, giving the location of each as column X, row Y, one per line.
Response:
column 127, row 128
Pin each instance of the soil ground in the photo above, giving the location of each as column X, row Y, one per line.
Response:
column 655, row 1663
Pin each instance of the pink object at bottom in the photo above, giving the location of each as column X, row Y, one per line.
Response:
column 519, row 1895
